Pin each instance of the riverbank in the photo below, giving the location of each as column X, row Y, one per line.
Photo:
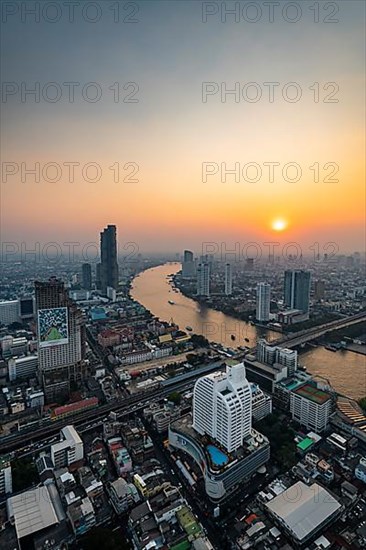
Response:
column 346, row 371
column 356, row 348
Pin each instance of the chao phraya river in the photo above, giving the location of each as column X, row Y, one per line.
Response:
column 344, row 369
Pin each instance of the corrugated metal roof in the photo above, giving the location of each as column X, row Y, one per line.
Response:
column 303, row 509
column 32, row 511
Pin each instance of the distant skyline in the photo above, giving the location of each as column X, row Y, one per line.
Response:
column 170, row 132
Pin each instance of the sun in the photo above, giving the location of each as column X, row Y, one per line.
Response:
column 279, row 224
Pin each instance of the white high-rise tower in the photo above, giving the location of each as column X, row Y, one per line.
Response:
column 203, row 279
column 263, row 301
column 222, row 406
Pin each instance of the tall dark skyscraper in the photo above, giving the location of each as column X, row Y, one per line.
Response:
column 188, row 267
column 297, row 290
column 108, row 254
column 86, row 276
column 98, row 276
column 319, row 290
column 61, row 339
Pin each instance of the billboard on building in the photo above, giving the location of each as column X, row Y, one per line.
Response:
column 53, row 327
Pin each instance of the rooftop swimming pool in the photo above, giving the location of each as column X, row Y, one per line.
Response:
column 218, row 457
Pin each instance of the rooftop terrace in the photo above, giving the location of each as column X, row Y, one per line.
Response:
column 313, row 394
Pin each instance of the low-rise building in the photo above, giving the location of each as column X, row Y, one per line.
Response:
column 82, row 516
column 360, row 470
column 303, row 511
column 69, row 450
column 34, row 398
column 6, row 484
column 122, row 495
column 120, row 455
column 22, row 367
column 35, row 510
column 349, row 491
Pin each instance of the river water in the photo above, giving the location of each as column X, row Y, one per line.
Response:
column 345, row 370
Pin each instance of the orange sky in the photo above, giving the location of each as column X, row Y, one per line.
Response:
column 170, row 132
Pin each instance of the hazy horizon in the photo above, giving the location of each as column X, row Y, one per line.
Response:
column 173, row 123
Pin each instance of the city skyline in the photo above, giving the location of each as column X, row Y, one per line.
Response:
column 182, row 290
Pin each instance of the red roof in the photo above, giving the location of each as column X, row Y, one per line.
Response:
column 78, row 405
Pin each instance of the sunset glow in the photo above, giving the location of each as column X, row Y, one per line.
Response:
column 279, row 224
column 166, row 128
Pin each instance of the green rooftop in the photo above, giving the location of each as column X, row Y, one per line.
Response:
column 305, row 444
column 184, row 545
column 313, row 394
column 188, row 521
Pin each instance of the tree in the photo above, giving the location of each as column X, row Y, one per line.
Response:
column 199, row 340
column 101, row 538
column 24, row 473
column 362, row 403
column 175, row 397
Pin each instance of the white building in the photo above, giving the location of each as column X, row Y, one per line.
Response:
column 22, row 367
column 228, row 280
column 35, row 510
column 311, row 407
column 261, row 403
column 6, row 483
column 9, row 312
column 270, row 355
column 303, row 511
column 34, row 398
column 263, row 301
column 222, row 406
column 203, row 279
column 360, row 470
column 69, row 450
column 111, row 293
column 287, row 358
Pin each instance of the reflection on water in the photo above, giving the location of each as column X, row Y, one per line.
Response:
column 345, row 370
column 152, row 289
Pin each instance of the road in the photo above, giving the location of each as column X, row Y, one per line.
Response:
column 212, row 528
column 50, row 428
column 316, row 332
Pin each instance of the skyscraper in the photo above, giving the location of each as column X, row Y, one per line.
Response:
column 98, row 276
column 319, row 290
column 222, row 406
column 228, row 279
column 263, row 301
column 297, row 290
column 61, row 338
column 203, row 279
column 86, row 276
column 188, row 265
column 108, row 254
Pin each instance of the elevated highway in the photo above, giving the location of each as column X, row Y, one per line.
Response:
column 316, row 332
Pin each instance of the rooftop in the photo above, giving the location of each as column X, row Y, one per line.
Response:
column 184, row 425
column 303, row 509
column 305, row 444
column 188, row 521
column 313, row 394
column 32, row 511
